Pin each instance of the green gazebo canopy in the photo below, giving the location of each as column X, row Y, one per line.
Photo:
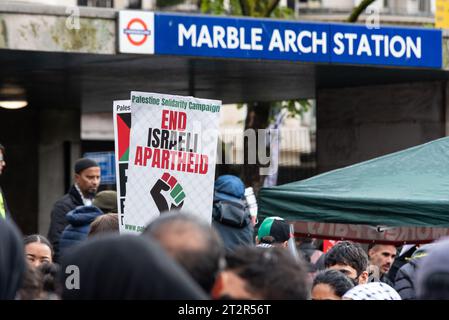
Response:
column 406, row 188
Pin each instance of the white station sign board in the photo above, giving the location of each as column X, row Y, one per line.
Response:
column 136, row 32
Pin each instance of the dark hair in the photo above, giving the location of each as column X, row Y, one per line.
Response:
column 38, row 238
column 49, row 277
column 373, row 244
column 268, row 240
column 435, row 287
column 31, row 288
column 202, row 262
column 306, row 240
column 270, row 273
column 335, row 279
column 318, row 243
column 2, row 148
column 105, row 223
column 347, row 253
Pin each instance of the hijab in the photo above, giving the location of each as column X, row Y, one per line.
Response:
column 372, row 291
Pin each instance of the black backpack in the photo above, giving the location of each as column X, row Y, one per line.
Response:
column 231, row 213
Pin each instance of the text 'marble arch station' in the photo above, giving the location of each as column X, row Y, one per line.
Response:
column 267, row 39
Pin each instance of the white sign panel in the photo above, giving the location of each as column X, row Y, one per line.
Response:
column 136, row 32
column 172, row 155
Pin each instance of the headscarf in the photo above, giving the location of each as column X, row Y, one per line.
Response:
column 372, row 291
column 126, row 267
column 12, row 260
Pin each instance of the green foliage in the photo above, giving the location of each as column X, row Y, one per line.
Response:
column 168, row 3
column 251, row 8
column 213, row 7
column 283, row 13
column 217, row 7
column 295, row 108
column 235, row 9
column 428, row 25
column 258, row 8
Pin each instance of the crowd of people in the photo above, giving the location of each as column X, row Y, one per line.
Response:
column 179, row 256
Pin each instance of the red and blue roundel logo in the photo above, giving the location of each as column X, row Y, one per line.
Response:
column 137, row 31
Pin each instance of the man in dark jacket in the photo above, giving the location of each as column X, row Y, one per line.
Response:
column 4, row 212
column 230, row 215
column 405, row 283
column 81, row 193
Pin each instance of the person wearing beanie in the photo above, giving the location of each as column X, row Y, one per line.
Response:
column 81, row 193
column 106, row 201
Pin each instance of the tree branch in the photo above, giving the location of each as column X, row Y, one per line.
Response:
column 245, row 7
column 357, row 11
column 271, row 6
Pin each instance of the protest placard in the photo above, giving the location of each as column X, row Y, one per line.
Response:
column 122, row 127
column 172, row 153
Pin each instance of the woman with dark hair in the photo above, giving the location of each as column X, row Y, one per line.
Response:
column 38, row 250
column 12, row 262
column 330, row 285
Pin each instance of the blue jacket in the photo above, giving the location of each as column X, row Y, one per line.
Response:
column 79, row 221
column 67, row 203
